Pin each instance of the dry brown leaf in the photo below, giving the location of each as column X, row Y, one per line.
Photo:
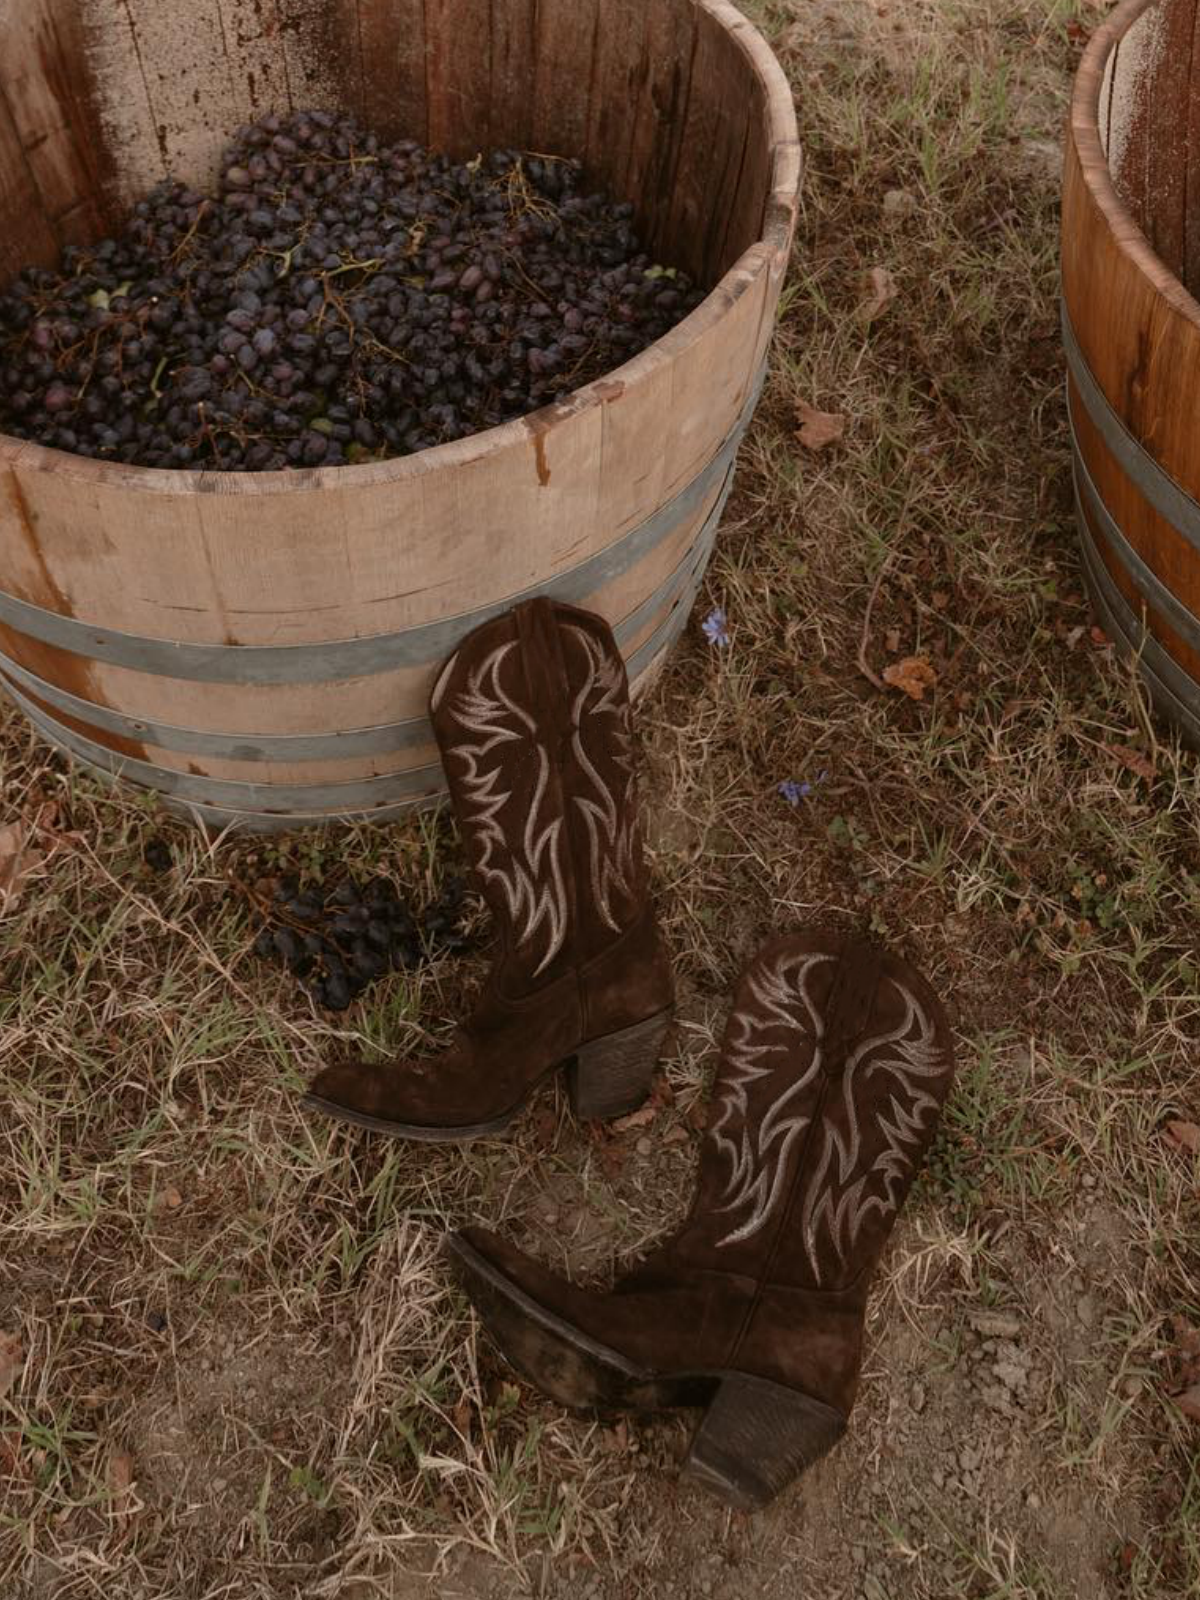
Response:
column 818, row 429
column 12, row 1359
column 545, row 1125
column 661, row 1092
column 18, row 858
column 1185, row 1135
column 461, row 1417
column 879, row 292
column 120, row 1485
column 912, row 676
column 892, row 639
column 612, row 1155
column 170, row 1198
column 1189, row 1402
column 635, row 1119
column 1131, row 758
column 676, row 1135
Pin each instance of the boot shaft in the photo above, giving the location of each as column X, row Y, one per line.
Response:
column 533, row 720
column 835, row 1063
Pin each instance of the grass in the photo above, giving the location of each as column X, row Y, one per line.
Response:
column 245, row 1308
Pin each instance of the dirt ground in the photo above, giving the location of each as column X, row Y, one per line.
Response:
column 232, row 1366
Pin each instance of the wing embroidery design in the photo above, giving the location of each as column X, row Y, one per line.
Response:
column 757, row 1147
column 611, row 819
column 525, row 863
column 836, row 1203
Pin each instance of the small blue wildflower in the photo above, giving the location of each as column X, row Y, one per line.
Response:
column 714, row 627
column 794, row 792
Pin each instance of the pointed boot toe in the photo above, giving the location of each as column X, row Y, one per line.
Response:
column 835, row 1063
column 415, row 1100
column 348, row 1091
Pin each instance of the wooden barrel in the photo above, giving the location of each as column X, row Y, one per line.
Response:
column 259, row 647
column 1131, row 328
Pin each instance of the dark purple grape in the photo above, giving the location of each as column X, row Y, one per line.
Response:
column 298, row 282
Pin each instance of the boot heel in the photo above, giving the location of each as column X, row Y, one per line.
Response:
column 757, row 1436
column 612, row 1075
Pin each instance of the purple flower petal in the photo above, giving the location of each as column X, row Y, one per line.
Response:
column 714, row 627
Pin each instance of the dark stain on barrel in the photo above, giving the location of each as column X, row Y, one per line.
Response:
column 63, row 668
column 65, row 69
column 116, row 742
column 539, row 424
column 46, row 590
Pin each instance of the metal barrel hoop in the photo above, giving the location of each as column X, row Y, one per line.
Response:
column 1174, row 692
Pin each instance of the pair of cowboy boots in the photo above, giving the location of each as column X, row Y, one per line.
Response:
column 835, row 1063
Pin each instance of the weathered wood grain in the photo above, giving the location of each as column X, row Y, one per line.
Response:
column 392, row 33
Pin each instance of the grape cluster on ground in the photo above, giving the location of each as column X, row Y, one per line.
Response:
column 336, row 300
column 338, row 941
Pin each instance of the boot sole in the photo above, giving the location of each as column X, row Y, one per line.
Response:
column 754, row 1438
column 606, row 1077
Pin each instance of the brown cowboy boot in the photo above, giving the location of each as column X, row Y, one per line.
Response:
column 532, row 717
column 836, row 1060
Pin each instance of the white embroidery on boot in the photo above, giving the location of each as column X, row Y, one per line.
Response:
column 758, row 1156
column 832, row 1201
column 533, row 887
column 611, row 818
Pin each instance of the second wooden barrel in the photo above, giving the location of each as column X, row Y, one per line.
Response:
column 1131, row 329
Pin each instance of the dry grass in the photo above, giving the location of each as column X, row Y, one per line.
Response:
column 245, row 1373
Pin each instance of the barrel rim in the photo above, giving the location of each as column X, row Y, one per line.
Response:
column 1084, row 128
column 772, row 246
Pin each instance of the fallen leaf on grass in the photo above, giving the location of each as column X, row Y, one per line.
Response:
column 120, row 1485
column 12, row 1359
column 635, row 1119
column 1185, row 1135
column 892, row 639
column 818, row 428
column 880, row 291
column 545, row 1125
column 612, row 1154
column 676, row 1135
column 912, row 676
column 27, row 844
column 170, row 1199
column 661, row 1092
column 1189, row 1402
column 1133, row 759
column 18, row 859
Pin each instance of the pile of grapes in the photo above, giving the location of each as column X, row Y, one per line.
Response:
column 335, row 301
column 337, row 944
